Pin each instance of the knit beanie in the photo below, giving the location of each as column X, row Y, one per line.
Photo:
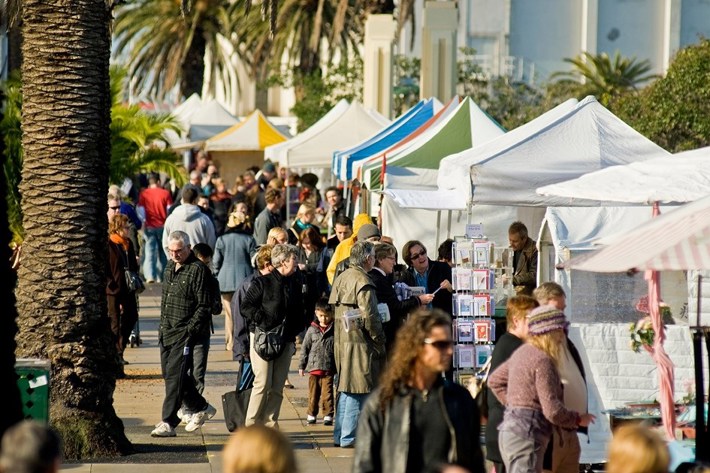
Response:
column 545, row 319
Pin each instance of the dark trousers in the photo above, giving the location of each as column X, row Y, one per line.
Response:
column 320, row 388
column 179, row 384
column 201, row 350
column 123, row 314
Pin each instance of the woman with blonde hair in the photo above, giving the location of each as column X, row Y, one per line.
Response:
column 258, row 449
column 637, row 449
column 305, row 217
column 529, row 386
column 517, row 310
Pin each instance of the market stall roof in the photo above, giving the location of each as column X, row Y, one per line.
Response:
column 560, row 146
column 399, row 129
column 254, row 133
column 676, row 240
column 210, row 119
column 344, row 125
column 668, row 179
column 465, row 128
column 362, row 168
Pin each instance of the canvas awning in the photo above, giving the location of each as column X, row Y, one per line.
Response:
column 255, row 133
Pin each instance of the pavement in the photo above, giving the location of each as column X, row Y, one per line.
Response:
column 138, row 399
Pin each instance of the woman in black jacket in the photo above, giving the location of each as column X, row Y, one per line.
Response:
column 272, row 300
column 381, row 275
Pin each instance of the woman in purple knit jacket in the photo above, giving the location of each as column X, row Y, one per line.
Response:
column 529, row 386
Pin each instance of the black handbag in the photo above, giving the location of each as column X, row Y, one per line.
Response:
column 270, row 344
column 133, row 279
column 235, row 403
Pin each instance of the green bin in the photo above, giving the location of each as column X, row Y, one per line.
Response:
column 33, row 383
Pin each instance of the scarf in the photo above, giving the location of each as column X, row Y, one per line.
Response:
column 119, row 240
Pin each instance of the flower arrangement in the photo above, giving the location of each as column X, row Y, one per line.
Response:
column 642, row 334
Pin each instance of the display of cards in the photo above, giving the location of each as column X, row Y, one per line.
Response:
column 483, row 330
column 464, row 329
column 462, row 279
column 464, row 305
column 466, row 356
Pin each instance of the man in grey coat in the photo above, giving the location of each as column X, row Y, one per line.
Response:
column 359, row 340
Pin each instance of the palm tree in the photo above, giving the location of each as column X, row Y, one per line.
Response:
column 135, row 135
column 304, row 32
column 169, row 55
column 605, row 77
column 61, row 297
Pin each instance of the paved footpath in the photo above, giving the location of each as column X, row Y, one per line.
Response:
column 138, row 399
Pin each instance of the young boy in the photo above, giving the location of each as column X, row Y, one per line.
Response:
column 318, row 359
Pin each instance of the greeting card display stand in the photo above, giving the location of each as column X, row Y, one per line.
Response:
column 477, row 279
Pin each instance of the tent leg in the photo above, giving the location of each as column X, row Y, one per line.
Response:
column 448, row 228
column 438, row 227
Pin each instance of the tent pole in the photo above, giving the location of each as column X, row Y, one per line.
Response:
column 448, row 227
column 701, row 435
column 288, row 198
column 438, row 226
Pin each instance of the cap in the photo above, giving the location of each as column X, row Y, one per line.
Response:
column 269, row 167
column 546, row 318
column 366, row 231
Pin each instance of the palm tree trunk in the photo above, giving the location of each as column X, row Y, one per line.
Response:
column 61, row 295
column 193, row 69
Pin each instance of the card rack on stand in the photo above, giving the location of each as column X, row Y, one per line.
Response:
column 477, row 279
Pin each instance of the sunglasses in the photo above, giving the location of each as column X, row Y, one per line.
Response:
column 439, row 344
column 418, row 255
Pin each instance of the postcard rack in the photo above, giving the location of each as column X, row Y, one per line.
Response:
column 477, row 282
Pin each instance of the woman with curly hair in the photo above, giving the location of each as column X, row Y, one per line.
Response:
column 416, row 420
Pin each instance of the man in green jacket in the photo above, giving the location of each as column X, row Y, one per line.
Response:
column 359, row 340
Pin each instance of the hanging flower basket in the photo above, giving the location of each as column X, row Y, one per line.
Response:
column 642, row 334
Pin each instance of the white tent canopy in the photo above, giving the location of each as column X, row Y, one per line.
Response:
column 210, row 119
column 278, row 153
column 455, row 170
column 560, row 145
column 668, row 179
column 342, row 127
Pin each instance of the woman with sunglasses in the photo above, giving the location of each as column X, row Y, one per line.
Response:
column 415, row 420
column 432, row 275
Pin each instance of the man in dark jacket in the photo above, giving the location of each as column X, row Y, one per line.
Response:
column 185, row 312
column 524, row 259
column 415, row 420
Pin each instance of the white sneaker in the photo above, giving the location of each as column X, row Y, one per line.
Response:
column 199, row 418
column 163, row 429
column 184, row 415
column 327, row 420
column 310, row 419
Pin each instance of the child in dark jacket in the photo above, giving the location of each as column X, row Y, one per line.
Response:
column 318, row 359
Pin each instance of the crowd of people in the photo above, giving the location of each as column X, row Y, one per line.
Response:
column 379, row 359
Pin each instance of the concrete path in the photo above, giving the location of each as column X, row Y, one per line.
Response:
column 138, row 399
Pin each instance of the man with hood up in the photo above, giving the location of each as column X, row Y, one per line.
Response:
column 190, row 219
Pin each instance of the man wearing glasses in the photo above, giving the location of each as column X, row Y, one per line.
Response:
column 416, row 420
column 185, row 312
column 431, row 275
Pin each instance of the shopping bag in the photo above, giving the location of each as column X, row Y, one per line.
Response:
column 235, row 403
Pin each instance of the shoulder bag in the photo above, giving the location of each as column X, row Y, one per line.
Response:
column 479, row 389
column 269, row 344
column 133, row 279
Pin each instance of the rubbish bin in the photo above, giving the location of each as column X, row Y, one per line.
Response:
column 33, row 383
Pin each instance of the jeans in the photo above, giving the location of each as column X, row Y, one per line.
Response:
column 346, row 415
column 155, row 258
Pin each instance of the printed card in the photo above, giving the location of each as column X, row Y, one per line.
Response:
column 483, row 330
column 466, row 356
column 481, row 252
column 464, row 305
column 482, row 305
column 483, row 353
column 465, row 330
column 462, row 279
column 481, row 279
